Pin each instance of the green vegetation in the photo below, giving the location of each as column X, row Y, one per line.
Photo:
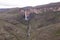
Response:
column 57, row 33
column 44, row 26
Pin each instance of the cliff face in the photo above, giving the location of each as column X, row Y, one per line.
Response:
column 52, row 7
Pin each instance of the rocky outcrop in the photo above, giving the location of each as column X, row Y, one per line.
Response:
column 52, row 7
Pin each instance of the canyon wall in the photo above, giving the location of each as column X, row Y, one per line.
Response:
column 52, row 7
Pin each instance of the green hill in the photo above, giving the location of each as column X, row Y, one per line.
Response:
column 44, row 26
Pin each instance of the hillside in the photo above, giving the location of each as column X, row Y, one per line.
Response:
column 44, row 25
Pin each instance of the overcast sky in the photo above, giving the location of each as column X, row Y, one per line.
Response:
column 23, row 3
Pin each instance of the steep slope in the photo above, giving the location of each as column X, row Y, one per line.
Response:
column 43, row 26
column 46, row 26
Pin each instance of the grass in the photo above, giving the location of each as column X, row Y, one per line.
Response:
column 41, row 20
column 57, row 33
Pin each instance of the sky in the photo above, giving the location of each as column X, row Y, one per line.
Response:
column 24, row 3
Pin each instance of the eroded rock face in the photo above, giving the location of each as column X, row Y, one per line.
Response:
column 37, row 11
column 41, row 9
